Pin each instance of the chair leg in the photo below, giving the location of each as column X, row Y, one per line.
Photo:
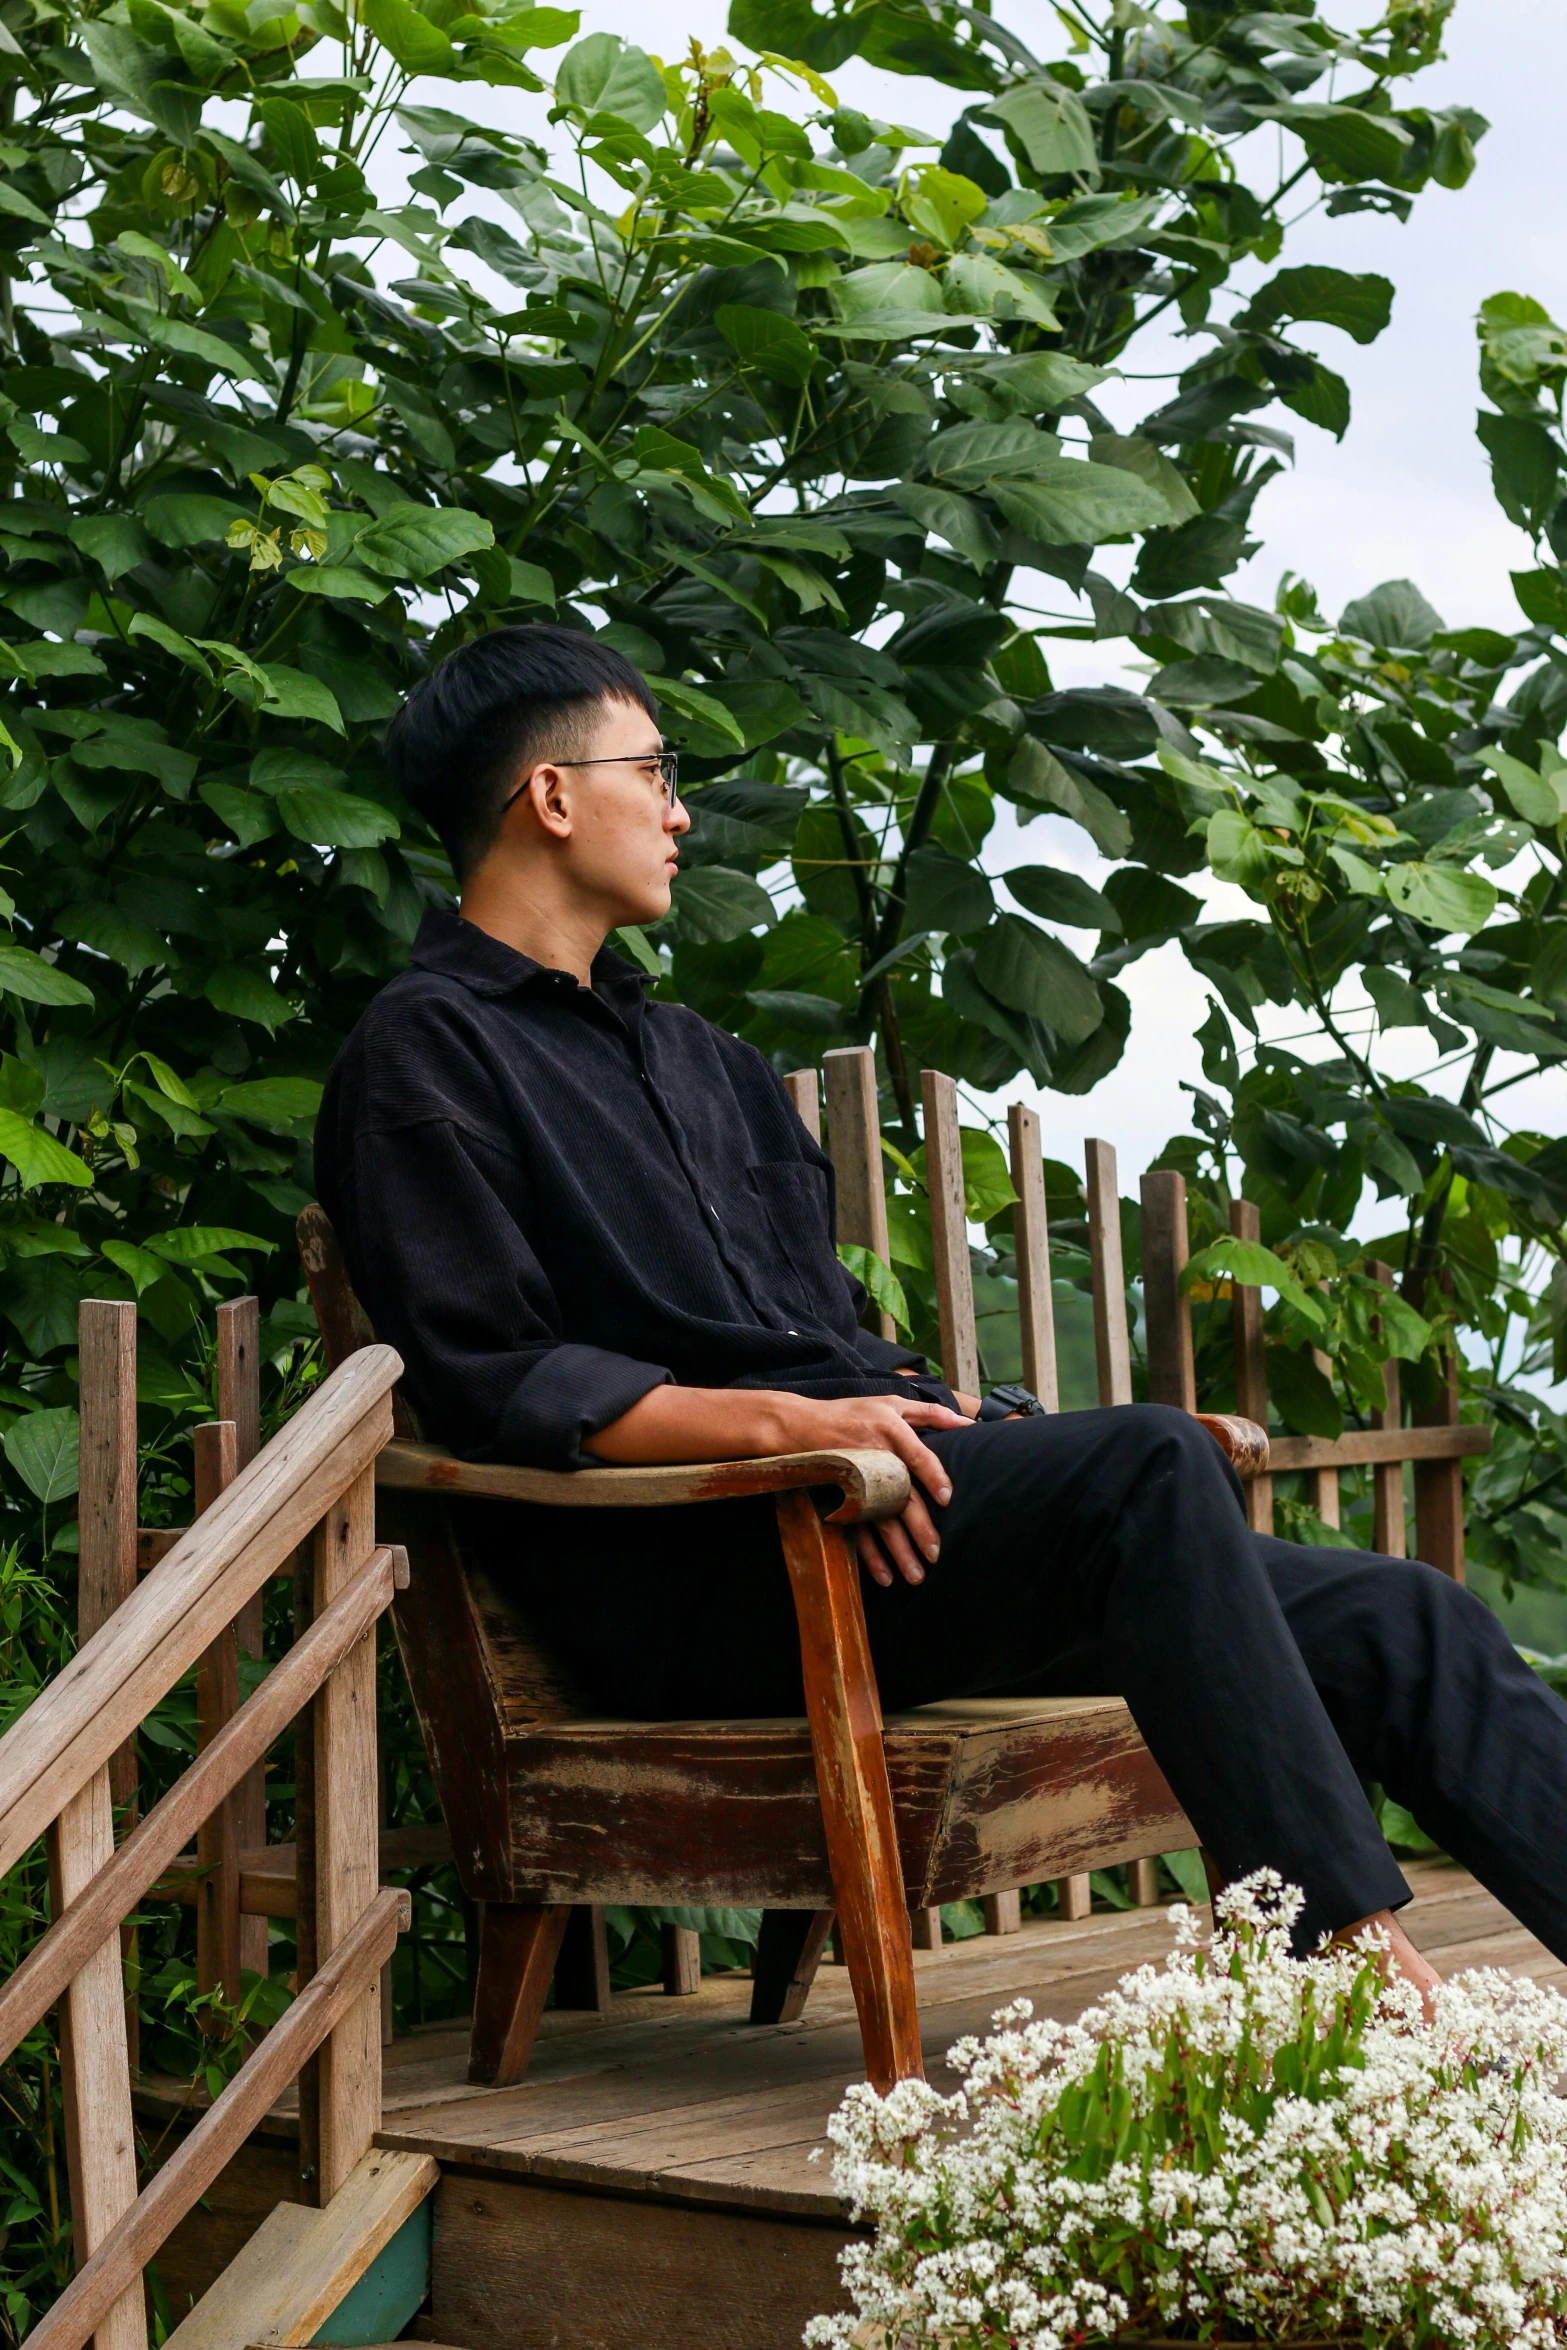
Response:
column 582, row 1969
column 788, row 1953
column 518, row 1947
column 844, row 1713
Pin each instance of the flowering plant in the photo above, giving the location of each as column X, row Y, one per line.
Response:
column 1236, row 2145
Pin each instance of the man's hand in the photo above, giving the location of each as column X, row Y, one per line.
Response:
column 739, row 1423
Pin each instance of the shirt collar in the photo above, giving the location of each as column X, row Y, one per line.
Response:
column 487, row 966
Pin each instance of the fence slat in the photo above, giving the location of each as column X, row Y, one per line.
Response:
column 949, row 1232
column 804, row 1088
column 239, row 1400
column 1112, row 1346
column 218, row 1843
column 1172, row 1376
column 106, row 1515
column 1387, row 1478
column 114, row 2270
column 1251, row 1377
column 854, row 1138
column 1031, row 1240
column 100, row 2133
column 75, row 1724
column 347, row 1843
column 1439, row 1484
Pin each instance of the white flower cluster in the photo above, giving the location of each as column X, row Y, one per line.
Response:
column 1237, row 2144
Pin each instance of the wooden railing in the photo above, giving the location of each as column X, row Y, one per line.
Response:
column 67, row 1761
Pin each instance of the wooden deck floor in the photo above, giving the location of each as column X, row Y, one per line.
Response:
column 682, row 2099
column 652, row 2184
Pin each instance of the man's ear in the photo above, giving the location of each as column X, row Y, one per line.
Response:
column 547, row 800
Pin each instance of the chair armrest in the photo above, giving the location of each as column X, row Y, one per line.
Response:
column 873, row 1484
column 1244, row 1442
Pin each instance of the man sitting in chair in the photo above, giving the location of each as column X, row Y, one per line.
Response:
column 596, row 1231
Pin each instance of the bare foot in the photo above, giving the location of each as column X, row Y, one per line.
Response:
column 1401, row 1955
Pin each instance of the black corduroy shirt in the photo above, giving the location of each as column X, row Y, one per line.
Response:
column 553, row 1198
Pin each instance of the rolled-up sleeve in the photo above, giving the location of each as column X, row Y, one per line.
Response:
column 451, row 1281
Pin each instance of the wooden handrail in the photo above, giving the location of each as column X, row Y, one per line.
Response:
column 114, row 1892
column 75, row 1724
column 873, row 1484
column 1358, row 1447
column 117, row 2263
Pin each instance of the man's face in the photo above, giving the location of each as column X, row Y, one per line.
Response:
column 608, row 804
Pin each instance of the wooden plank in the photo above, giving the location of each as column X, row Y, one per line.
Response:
column 217, row 1702
column 347, row 1851
column 85, row 1919
column 851, row 1773
column 949, row 1232
column 511, row 2255
column 300, row 2263
column 681, row 1956
column 239, row 1400
column 1112, row 1347
column 1031, row 1240
column 75, row 1724
column 1387, row 1478
column 1075, row 1896
column 874, row 1484
column 1172, row 1376
column 854, row 1138
column 1142, row 1881
column 925, row 1928
column 1439, row 1479
column 106, row 1571
column 1002, row 1912
column 115, row 2265
column 1251, row 1377
column 1358, row 1446
column 804, row 1088
column 100, row 2131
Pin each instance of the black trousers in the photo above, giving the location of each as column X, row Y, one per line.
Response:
column 1107, row 1553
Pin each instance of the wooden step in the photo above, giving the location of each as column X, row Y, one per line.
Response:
column 300, row 2264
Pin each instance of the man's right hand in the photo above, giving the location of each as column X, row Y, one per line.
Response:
column 741, row 1423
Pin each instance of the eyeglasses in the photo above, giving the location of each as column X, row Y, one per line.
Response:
column 667, row 764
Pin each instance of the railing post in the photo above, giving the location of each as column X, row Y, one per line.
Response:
column 854, row 1140
column 1251, row 1376
column 239, row 1400
column 217, row 1702
column 347, row 1856
column 1387, row 1477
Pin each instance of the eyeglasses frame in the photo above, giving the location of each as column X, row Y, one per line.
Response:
column 668, row 761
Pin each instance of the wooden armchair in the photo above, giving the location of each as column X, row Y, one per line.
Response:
column 554, row 1811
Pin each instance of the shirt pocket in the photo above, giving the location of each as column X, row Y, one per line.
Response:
column 794, row 1196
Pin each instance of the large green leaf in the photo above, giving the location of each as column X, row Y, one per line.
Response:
column 417, row 45
column 1059, row 896
column 1037, row 777
column 1443, row 896
column 1064, row 503
column 36, row 981
column 410, row 542
column 1362, row 306
column 761, row 338
column 1050, row 124
column 1028, row 970
column 605, row 75
column 714, row 903
column 44, row 1450
column 36, row 1156
column 334, row 819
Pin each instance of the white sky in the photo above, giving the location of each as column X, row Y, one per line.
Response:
column 1406, row 494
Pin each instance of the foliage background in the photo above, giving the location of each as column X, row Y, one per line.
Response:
column 798, row 408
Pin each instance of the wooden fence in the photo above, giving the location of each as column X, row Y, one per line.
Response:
column 68, row 1760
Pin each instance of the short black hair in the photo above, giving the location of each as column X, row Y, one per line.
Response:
column 494, row 705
